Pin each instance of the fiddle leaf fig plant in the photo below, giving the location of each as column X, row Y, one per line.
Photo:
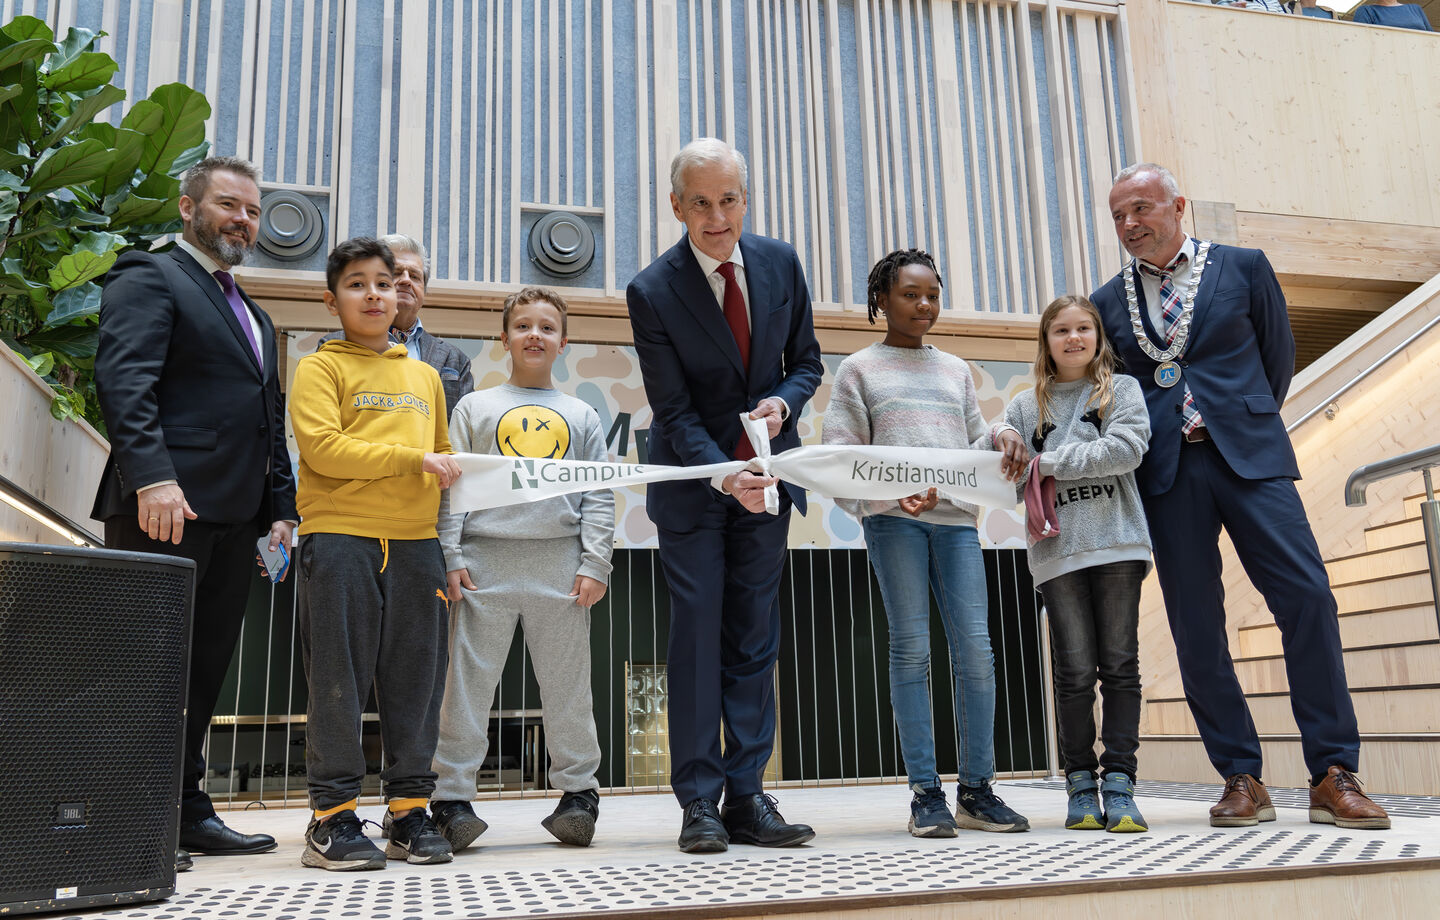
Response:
column 76, row 192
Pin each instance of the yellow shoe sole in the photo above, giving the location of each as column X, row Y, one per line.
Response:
column 1127, row 825
column 1090, row 823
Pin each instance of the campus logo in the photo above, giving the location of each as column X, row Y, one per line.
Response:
column 376, row 401
column 522, row 475
column 528, row 474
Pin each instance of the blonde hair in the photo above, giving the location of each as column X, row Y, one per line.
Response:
column 1100, row 371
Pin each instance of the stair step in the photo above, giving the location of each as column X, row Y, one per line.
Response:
column 1361, row 628
column 1393, row 764
column 1399, row 664
column 1395, row 533
column 1390, row 710
column 1411, row 589
column 1380, row 563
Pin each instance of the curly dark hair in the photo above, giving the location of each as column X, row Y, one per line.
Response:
column 883, row 275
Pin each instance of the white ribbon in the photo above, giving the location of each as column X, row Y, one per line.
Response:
column 834, row 470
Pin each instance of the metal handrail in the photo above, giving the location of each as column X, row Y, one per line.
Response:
column 1350, row 384
column 1422, row 460
column 21, row 500
column 1415, row 461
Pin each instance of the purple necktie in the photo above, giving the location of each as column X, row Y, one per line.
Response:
column 242, row 313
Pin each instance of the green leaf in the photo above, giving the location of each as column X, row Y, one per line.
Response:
column 159, row 185
column 20, row 113
column 60, row 407
column 23, row 27
column 27, row 50
column 83, row 112
column 72, row 341
column 99, row 242
column 128, row 146
column 144, row 117
column 9, row 205
column 87, row 71
column 72, row 164
column 103, row 132
column 138, row 209
column 183, row 126
column 189, row 158
column 9, row 160
column 73, row 303
column 41, row 364
column 79, row 267
column 77, row 42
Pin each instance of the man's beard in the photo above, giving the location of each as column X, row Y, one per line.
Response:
column 226, row 251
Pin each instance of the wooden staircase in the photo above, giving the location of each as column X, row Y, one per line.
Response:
column 1392, row 661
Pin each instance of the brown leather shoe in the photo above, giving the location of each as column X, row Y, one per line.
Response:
column 1339, row 801
column 1244, row 804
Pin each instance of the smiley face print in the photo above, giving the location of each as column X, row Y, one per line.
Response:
column 533, row 431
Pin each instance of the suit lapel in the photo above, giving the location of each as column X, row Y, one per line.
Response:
column 1214, row 265
column 211, row 289
column 693, row 291
column 1155, row 338
column 760, row 284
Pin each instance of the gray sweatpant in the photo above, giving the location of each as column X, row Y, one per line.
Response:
column 526, row 582
column 371, row 612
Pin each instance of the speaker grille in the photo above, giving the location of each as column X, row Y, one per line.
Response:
column 93, row 658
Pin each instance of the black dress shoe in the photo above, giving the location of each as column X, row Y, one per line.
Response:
column 183, row 862
column 703, row 831
column 753, row 819
column 211, row 837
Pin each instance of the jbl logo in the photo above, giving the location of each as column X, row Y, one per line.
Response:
column 70, row 814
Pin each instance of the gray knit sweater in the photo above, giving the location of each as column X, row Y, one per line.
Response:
column 1101, row 518
column 906, row 397
column 535, row 423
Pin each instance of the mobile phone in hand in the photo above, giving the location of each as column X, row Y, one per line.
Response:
column 275, row 562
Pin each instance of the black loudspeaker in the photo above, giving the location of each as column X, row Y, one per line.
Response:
column 94, row 660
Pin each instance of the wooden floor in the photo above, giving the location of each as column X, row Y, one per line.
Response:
column 862, row 863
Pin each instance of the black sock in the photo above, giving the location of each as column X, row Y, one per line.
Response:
column 1318, row 778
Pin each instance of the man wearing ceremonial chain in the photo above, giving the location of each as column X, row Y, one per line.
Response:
column 1204, row 329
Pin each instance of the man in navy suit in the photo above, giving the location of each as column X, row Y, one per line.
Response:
column 722, row 326
column 1204, row 329
column 187, row 376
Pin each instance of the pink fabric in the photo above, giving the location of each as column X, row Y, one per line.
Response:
column 1040, row 518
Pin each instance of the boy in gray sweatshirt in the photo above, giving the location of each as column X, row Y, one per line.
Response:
column 543, row 564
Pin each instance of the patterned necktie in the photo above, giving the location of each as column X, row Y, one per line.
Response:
column 1170, row 310
column 739, row 323
column 242, row 313
column 1170, row 304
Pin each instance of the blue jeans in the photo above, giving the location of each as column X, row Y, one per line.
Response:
column 911, row 558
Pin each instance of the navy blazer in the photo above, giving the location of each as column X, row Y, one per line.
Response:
column 183, row 397
column 694, row 381
column 1239, row 361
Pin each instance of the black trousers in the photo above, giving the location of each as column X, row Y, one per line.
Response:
column 1094, row 633
column 224, row 556
column 724, row 580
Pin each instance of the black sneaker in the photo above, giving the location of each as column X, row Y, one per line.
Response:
column 458, row 822
column 979, row 808
column 340, row 845
column 415, row 839
column 929, row 815
column 573, row 820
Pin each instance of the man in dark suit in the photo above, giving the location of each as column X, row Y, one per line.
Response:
column 188, row 384
column 722, row 326
column 1204, row 329
column 412, row 277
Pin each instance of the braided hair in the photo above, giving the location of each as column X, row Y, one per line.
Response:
column 887, row 270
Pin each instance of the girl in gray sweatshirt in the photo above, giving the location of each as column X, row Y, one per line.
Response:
column 1089, row 429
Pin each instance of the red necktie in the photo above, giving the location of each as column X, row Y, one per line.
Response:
column 739, row 323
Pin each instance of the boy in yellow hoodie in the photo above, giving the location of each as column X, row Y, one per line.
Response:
column 374, row 455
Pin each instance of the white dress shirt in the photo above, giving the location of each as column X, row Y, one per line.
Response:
column 1181, row 280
